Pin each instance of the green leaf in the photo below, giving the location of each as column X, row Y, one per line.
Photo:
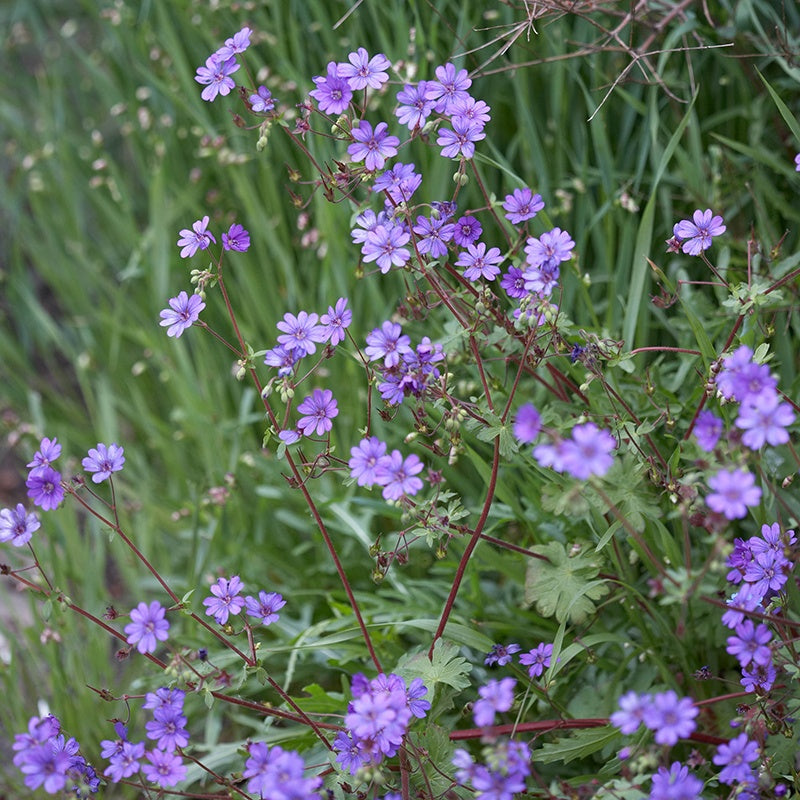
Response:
column 577, row 745
column 563, row 586
column 447, row 666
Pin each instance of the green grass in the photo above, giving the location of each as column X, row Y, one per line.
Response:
column 109, row 152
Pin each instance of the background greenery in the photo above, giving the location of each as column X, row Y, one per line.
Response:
column 108, row 151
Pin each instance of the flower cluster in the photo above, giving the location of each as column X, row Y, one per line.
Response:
column 219, row 66
column 370, row 464
column 377, row 719
column 167, row 729
column 760, row 567
column 44, row 482
column 503, row 773
column 671, row 717
column 225, row 601
column 50, row 760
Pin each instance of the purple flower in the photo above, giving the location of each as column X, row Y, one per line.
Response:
column 167, row 729
column 414, row 108
column 514, row 283
column 765, row 572
column 522, row 205
column 764, row 419
column 735, row 756
column 283, row 358
column 278, row 773
column 44, row 488
column 365, row 459
column 450, row 85
column 501, row 654
column 675, row 784
column 399, row 182
column 301, row 332
column 734, row 491
column 397, row 475
column 479, row 263
column 632, row 708
column 550, row 249
column 237, row 238
column 461, row 140
column 336, row 321
column 148, row 626
column 496, row 696
column 384, row 245
column 225, row 599
column 182, row 313
column 17, row 525
column 265, row 607
column 414, row 694
column 471, row 109
column 466, row 230
column 671, row 717
column 527, row 423
column 215, row 76
column 238, row 43
column 102, row 461
column 165, row 698
column 333, row 92
column 760, row 677
column 372, row 147
column 588, row 452
column 541, row 280
column 696, row 234
column 389, row 343
column 319, row 409
column 165, row 768
column 537, row 660
column 49, row 450
column 363, row 71
column 198, row 238
column 743, row 379
column 434, row 234
column 751, row 643
column 262, row 101
column 125, row 762
column 47, row 764
column 707, row 430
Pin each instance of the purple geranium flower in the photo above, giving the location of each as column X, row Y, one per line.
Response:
column 225, row 599
column 527, row 423
column 102, row 461
column 399, row 182
column 414, row 107
column 182, row 313
column 237, row 238
column 734, row 491
column 333, row 92
column 764, row 419
column 696, row 234
column 384, row 246
column 707, row 430
column 671, row 717
column 450, row 85
column 319, row 409
column 751, row 643
column 433, row 233
column 372, row 147
column 336, row 321
column 283, row 358
column 125, row 762
column 148, row 626
column 265, row 607
column 363, row 71
column 550, row 249
column 522, row 205
column 275, row 772
column 389, row 343
column 479, row 263
column 588, row 452
column 632, row 708
column 675, row 784
column 238, row 43
column 198, row 238
column 165, row 768
column 215, row 76
column 17, row 525
column 167, row 729
column 365, row 460
column 501, row 654
column 398, row 475
column 301, row 332
column 461, row 140
column 735, row 756
column 262, row 101
column 514, row 283
column 496, row 696
column 466, row 230
column 49, row 450
column 537, row 660
column 44, row 488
